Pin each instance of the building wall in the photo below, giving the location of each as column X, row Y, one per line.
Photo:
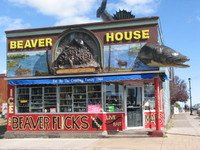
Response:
column 101, row 30
column 3, row 89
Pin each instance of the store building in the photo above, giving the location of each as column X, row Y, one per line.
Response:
column 3, row 95
column 84, row 79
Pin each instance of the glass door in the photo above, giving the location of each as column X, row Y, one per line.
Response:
column 134, row 107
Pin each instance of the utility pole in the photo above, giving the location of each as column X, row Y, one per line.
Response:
column 189, row 79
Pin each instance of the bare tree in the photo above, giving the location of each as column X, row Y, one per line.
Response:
column 178, row 90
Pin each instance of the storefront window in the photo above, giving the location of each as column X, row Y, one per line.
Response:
column 62, row 98
column 65, row 97
column 94, row 98
column 23, row 100
column 50, row 101
column 36, row 99
column 80, row 99
column 149, row 96
column 114, row 98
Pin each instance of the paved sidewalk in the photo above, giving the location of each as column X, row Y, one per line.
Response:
column 185, row 124
column 183, row 135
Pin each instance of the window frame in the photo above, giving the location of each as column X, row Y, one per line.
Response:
column 57, row 93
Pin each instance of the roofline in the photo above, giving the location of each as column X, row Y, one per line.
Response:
column 90, row 26
column 3, row 75
column 86, row 75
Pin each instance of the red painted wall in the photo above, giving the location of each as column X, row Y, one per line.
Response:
column 65, row 122
column 150, row 119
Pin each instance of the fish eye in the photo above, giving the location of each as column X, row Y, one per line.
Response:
column 175, row 54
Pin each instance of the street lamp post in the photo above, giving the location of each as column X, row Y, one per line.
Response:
column 189, row 79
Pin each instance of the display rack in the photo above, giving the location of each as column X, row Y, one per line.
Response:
column 36, row 100
column 80, row 99
column 23, row 99
column 114, row 102
column 50, row 99
column 94, row 94
column 65, row 96
column 114, row 98
column 94, row 98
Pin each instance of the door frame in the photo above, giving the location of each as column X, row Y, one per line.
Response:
column 125, row 104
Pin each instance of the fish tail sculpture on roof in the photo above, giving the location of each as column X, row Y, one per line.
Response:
column 121, row 14
column 161, row 56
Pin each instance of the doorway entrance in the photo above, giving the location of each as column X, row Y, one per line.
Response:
column 134, row 107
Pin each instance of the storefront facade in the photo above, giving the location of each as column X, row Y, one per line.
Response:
column 84, row 78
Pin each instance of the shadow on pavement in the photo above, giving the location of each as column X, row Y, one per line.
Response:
column 3, row 122
column 2, row 131
column 197, row 118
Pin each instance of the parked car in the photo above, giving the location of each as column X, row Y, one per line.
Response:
column 198, row 111
column 196, row 106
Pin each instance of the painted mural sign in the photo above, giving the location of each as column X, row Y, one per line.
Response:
column 124, row 58
column 65, row 122
column 32, row 63
column 78, row 51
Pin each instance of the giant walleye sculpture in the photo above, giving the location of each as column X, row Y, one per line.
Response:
column 154, row 55
column 161, row 56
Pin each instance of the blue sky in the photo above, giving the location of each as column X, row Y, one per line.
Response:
column 180, row 22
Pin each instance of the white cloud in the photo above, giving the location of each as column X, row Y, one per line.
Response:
column 2, row 71
column 75, row 20
column 7, row 23
column 82, row 11
column 66, row 12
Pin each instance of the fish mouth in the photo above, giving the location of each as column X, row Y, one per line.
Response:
column 180, row 63
column 169, row 64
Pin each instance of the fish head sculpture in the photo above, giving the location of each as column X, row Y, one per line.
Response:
column 161, row 56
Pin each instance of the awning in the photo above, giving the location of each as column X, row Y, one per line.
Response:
column 81, row 80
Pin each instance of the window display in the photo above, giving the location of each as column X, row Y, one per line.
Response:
column 80, row 99
column 94, row 98
column 149, row 97
column 63, row 98
column 50, row 101
column 114, row 98
column 36, row 100
column 23, row 99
